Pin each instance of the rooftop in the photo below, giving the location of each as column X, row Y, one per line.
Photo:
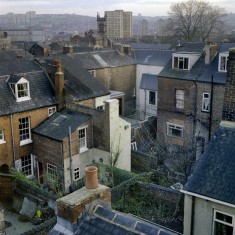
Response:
column 214, row 176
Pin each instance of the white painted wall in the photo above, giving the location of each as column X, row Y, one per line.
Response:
column 99, row 101
column 203, row 216
column 140, row 94
column 120, row 135
column 145, row 108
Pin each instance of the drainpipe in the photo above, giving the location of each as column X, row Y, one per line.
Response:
column 192, row 215
column 211, row 107
column 145, row 108
column 70, row 156
column 13, row 142
column 195, row 117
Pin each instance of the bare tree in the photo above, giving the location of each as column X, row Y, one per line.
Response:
column 196, row 19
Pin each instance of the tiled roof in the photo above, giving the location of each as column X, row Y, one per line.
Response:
column 79, row 83
column 41, row 94
column 17, row 61
column 214, row 176
column 195, row 73
column 152, row 57
column 212, row 69
column 190, row 47
column 149, row 82
column 57, row 125
column 151, row 46
column 102, row 220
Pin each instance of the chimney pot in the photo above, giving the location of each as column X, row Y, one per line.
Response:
column 91, row 177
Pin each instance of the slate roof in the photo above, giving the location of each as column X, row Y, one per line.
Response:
column 152, row 57
column 41, row 94
column 214, row 176
column 103, row 59
column 17, row 61
column 152, row 46
column 200, row 71
column 79, row 83
column 149, row 82
column 57, row 126
column 212, row 69
column 102, row 220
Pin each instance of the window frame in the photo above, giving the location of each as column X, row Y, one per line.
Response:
column 179, row 103
column 203, row 101
column 26, row 165
column 15, row 89
column 223, row 222
column 223, row 55
column 84, row 146
column 176, row 127
column 53, row 110
column 149, row 100
column 2, row 136
column 54, row 175
column 178, row 59
column 75, row 171
column 28, row 127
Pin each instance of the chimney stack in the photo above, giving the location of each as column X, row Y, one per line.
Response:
column 67, row 49
column 70, row 207
column 59, row 84
column 229, row 96
column 210, row 51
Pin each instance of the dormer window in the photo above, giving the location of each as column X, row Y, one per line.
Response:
column 181, row 63
column 223, row 58
column 19, row 87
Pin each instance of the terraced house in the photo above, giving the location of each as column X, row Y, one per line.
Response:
column 190, row 98
column 26, row 99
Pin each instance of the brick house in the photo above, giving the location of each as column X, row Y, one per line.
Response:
column 209, row 204
column 40, row 49
column 61, row 146
column 81, row 92
column 115, row 71
column 26, row 99
column 190, row 98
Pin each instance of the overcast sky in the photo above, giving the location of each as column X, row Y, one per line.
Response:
column 91, row 7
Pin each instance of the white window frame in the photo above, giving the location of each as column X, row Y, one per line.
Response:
column 149, row 92
column 15, row 89
column 225, row 56
column 204, row 100
column 27, row 165
column 76, row 173
column 223, row 222
column 134, row 145
column 176, row 64
column 2, row 136
column 82, row 140
column 23, row 127
column 172, row 126
column 51, row 110
column 179, row 98
column 51, row 172
column 101, row 107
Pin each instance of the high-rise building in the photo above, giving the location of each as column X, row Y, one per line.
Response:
column 143, row 27
column 115, row 24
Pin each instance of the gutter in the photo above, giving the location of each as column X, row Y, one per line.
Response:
column 13, row 142
column 208, row 198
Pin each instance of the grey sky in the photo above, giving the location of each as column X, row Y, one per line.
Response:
column 91, row 7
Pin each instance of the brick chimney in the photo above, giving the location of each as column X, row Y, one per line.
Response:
column 210, row 51
column 59, row 84
column 70, row 207
column 229, row 96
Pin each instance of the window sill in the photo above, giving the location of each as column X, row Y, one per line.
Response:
column 177, row 137
column 24, row 142
column 82, row 150
column 2, row 141
column 205, row 111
